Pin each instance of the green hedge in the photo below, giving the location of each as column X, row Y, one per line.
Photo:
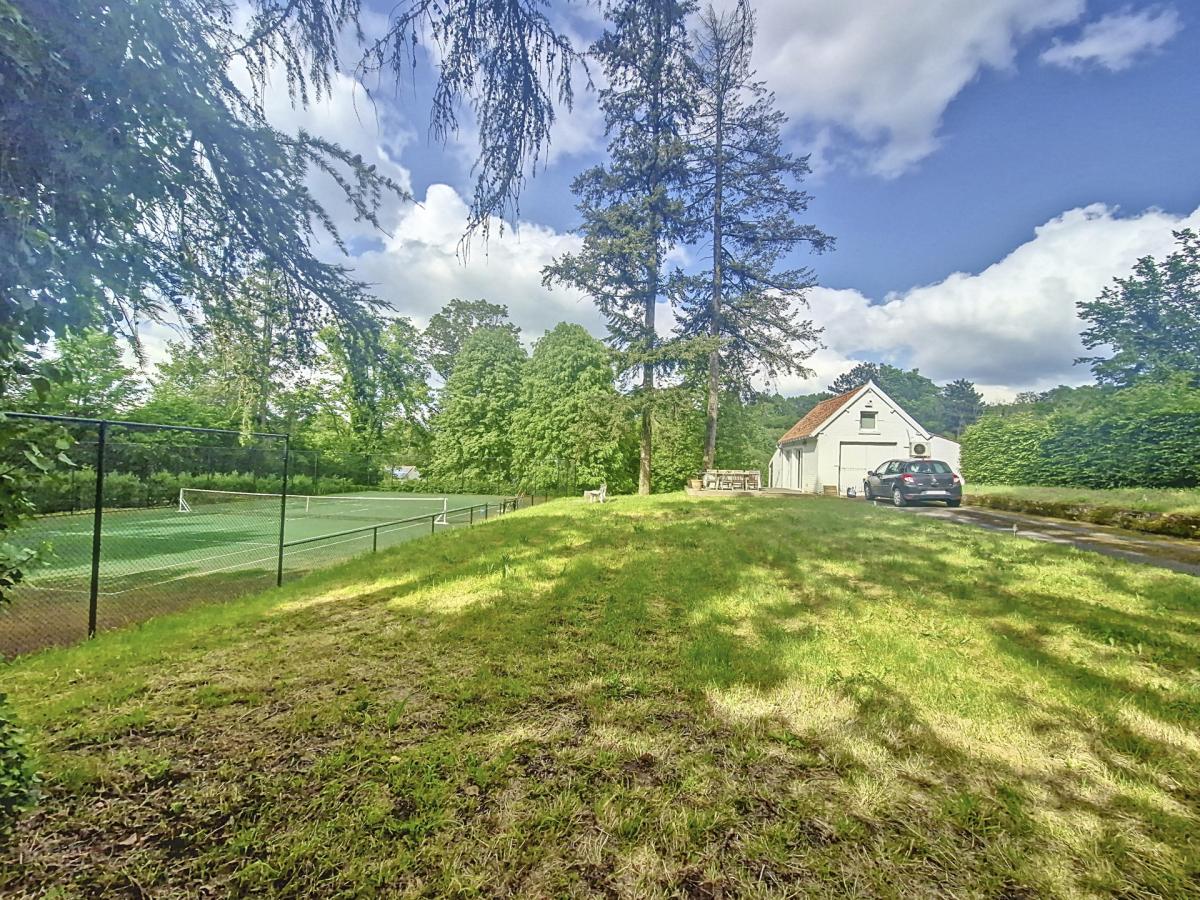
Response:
column 71, row 490
column 1144, row 436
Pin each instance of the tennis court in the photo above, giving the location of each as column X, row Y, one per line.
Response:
column 210, row 545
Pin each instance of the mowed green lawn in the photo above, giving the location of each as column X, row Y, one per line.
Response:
column 659, row 696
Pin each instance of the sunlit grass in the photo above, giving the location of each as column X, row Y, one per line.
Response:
column 653, row 697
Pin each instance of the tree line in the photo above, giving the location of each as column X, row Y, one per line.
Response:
column 1139, row 424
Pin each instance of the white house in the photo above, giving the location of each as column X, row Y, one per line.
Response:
column 844, row 437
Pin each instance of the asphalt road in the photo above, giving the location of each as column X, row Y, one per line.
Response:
column 1176, row 554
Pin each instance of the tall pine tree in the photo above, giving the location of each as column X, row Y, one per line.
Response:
column 746, row 192
column 632, row 207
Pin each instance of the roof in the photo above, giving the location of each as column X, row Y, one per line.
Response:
column 818, row 416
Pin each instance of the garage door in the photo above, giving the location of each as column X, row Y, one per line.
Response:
column 856, row 460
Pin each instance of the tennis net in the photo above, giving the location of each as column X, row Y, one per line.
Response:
column 331, row 506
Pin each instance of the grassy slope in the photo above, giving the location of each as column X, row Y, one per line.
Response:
column 654, row 696
column 1176, row 502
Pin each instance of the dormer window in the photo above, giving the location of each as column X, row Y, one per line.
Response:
column 866, row 420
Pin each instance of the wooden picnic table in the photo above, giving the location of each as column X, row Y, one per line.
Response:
column 731, row 480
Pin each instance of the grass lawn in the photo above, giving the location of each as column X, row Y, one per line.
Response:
column 662, row 696
column 1184, row 501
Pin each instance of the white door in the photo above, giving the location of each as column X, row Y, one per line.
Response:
column 855, row 460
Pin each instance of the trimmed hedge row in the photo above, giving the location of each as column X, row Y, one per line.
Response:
column 72, row 490
column 1145, row 436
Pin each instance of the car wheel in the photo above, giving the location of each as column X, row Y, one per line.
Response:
column 954, row 504
column 898, row 498
column 867, row 495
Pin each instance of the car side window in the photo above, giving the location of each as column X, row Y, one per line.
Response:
column 892, row 467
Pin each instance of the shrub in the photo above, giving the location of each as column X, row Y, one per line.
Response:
column 18, row 782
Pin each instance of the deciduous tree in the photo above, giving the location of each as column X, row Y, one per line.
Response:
column 472, row 431
column 449, row 328
column 1150, row 321
column 569, row 429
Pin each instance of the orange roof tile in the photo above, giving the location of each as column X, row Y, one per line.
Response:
column 817, row 416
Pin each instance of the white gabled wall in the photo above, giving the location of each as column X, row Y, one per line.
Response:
column 844, row 450
column 946, row 450
column 848, row 450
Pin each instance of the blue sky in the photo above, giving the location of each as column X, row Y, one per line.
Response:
column 982, row 165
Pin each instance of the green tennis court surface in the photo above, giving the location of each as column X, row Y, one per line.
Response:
column 154, row 560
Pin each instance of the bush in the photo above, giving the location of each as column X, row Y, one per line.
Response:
column 18, row 782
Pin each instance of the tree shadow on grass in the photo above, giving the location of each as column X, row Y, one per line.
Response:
column 713, row 697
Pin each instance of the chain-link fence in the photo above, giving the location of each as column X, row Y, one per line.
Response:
column 137, row 519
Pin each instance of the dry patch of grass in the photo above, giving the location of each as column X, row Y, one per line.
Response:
column 655, row 697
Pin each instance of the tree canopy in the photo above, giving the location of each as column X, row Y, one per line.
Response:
column 449, row 328
column 472, row 430
column 570, row 425
column 1149, row 320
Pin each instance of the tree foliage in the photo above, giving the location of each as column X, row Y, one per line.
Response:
column 1147, row 435
column 1150, row 321
column 375, row 393
column 87, row 376
column 571, row 425
column 745, row 196
column 472, row 444
column 137, row 174
column 632, row 208
column 449, row 328
column 962, row 405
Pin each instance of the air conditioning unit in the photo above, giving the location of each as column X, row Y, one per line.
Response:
column 920, row 448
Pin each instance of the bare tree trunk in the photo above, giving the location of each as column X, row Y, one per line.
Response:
column 714, row 325
column 648, row 384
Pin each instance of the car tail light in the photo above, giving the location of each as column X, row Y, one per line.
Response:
column 907, row 478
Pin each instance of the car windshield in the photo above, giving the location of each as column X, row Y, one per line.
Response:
column 928, row 467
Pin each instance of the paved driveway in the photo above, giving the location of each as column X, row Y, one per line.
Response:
column 1167, row 553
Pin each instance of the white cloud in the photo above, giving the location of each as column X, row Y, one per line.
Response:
column 420, row 267
column 1115, row 41
column 884, row 72
column 1010, row 327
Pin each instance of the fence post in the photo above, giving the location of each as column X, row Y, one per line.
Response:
column 287, row 441
column 375, row 539
column 433, row 524
column 485, row 510
column 472, row 520
column 97, row 526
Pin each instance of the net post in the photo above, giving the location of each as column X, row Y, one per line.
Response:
column 433, row 524
column 472, row 521
column 375, row 539
column 97, row 526
column 485, row 510
column 283, row 509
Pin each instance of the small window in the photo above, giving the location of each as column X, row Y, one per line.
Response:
column 866, row 421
